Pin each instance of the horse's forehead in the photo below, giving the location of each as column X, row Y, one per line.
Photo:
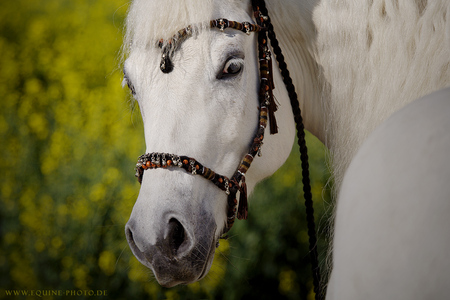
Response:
column 151, row 20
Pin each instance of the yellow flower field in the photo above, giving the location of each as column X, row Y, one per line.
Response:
column 69, row 139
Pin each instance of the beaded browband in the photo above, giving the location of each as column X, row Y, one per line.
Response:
column 267, row 109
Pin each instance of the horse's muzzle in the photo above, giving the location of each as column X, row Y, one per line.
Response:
column 177, row 256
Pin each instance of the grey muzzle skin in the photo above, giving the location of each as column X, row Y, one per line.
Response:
column 178, row 256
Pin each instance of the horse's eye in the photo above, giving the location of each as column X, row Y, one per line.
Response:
column 232, row 67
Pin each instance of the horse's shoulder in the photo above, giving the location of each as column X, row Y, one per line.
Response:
column 413, row 145
column 393, row 210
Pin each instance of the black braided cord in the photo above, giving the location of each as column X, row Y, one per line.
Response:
column 303, row 150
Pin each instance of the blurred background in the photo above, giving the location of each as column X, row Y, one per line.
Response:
column 69, row 140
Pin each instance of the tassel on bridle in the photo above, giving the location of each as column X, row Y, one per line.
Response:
column 242, row 212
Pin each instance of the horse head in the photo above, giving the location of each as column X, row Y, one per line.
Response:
column 198, row 95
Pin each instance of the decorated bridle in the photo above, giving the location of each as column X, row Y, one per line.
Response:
column 231, row 186
column 267, row 108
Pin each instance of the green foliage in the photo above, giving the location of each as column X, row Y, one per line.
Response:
column 69, row 142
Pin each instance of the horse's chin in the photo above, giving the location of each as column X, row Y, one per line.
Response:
column 169, row 282
column 180, row 254
column 208, row 263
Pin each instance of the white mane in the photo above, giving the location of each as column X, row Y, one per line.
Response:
column 377, row 56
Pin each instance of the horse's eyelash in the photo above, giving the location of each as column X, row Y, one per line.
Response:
column 127, row 81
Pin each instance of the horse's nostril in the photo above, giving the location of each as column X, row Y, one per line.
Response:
column 176, row 235
column 129, row 235
column 132, row 242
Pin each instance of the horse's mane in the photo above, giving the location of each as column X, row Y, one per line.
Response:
column 378, row 56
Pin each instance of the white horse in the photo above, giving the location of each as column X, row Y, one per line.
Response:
column 356, row 65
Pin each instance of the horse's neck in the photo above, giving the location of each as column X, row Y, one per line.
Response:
column 377, row 57
column 295, row 31
column 354, row 63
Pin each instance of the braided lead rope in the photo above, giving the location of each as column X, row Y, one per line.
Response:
column 267, row 108
column 261, row 6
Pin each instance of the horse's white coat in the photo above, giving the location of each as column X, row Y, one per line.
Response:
column 392, row 224
column 354, row 63
column 376, row 57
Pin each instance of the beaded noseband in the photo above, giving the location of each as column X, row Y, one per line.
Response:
column 267, row 108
